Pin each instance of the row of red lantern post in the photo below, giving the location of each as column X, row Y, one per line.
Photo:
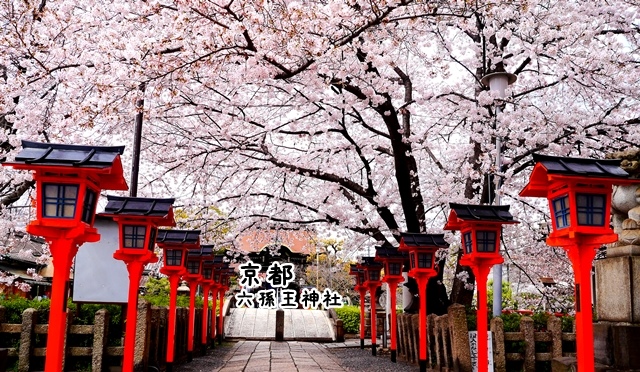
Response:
column 69, row 179
column 579, row 194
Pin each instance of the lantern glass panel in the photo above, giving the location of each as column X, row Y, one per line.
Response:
column 486, row 241
column 206, row 273
column 174, row 257
column 193, row 266
column 361, row 278
column 152, row 238
column 59, row 200
column 133, row 236
column 374, row 275
column 561, row 212
column 468, row 242
column 395, row 268
column 425, row 260
column 412, row 257
column 89, row 206
column 216, row 278
column 591, row 209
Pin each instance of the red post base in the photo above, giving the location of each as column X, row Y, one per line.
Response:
column 63, row 251
column 581, row 259
column 171, row 322
column 135, row 273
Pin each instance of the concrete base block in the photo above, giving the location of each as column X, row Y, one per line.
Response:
column 617, row 298
column 626, row 339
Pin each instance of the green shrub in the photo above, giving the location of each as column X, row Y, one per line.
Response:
column 16, row 305
column 350, row 316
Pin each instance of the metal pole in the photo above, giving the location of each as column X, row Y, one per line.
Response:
column 137, row 142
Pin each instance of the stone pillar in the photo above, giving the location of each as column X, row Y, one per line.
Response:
column 26, row 335
column 143, row 336
column 279, row 325
column 460, row 349
column 100, row 337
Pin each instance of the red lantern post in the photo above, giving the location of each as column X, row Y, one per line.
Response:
column 68, row 179
column 422, row 260
column 193, row 277
column 579, row 194
column 138, row 220
column 480, row 226
column 393, row 261
column 207, row 282
column 360, row 279
column 175, row 244
column 372, row 282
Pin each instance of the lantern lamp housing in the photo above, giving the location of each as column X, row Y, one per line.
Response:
column 371, row 270
column 68, row 180
column 422, row 250
column 176, row 244
column 480, row 227
column 579, row 192
column 193, row 262
column 138, row 220
column 393, row 261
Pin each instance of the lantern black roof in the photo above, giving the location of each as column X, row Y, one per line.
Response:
column 194, row 252
column 178, row 236
column 387, row 252
column 495, row 213
column 119, row 205
column 72, row 155
column 207, row 250
column 424, row 240
column 370, row 261
column 581, row 166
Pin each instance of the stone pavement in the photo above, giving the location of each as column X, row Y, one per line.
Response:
column 265, row 356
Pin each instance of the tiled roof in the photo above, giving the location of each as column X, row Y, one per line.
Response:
column 424, row 240
column 387, row 252
column 73, row 155
column 178, row 236
column 495, row 213
column 581, row 166
column 118, row 205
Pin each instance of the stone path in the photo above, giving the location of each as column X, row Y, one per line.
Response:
column 266, row 356
column 260, row 324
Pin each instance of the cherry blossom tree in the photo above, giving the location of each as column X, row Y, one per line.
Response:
column 368, row 116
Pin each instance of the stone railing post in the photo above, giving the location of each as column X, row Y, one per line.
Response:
column 415, row 337
column 526, row 327
column 460, row 349
column 554, row 326
column 499, row 354
column 100, row 337
column 143, row 336
column 26, row 337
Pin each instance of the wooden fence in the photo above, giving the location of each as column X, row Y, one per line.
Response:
column 449, row 342
column 87, row 345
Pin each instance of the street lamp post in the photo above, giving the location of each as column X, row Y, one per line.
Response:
column 138, row 220
column 359, row 275
column 68, row 179
column 393, row 261
column 175, row 244
column 579, row 194
column 422, row 250
column 480, row 227
column 498, row 82
column 372, row 282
